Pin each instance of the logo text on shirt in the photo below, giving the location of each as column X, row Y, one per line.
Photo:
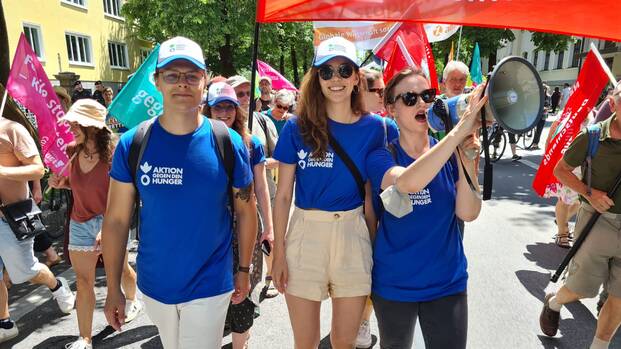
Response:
column 161, row 175
column 421, row 198
column 325, row 162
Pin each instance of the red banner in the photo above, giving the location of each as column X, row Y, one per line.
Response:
column 587, row 89
column 594, row 18
column 406, row 45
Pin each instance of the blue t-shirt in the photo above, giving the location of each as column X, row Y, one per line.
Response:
column 418, row 257
column 278, row 123
column 257, row 153
column 185, row 250
column 326, row 184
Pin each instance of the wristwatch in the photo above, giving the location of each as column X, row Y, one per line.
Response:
column 245, row 269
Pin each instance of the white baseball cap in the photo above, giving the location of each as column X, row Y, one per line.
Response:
column 221, row 92
column 180, row 48
column 335, row 47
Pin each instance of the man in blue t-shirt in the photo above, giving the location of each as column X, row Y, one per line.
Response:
column 185, row 259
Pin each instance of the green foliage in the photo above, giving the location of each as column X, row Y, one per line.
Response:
column 551, row 42
column 223, row 28
column 490, row 40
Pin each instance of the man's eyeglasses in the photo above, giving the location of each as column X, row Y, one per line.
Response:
column 190, row 78
column 282, row 107
column 345, row 70
column 379, row 91
column 242, row 94
column 410, row 98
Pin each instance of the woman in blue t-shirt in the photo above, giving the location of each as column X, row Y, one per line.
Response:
column 419, row 268
column 327, row 250
column 222, row 104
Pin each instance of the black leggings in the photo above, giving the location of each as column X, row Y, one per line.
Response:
column 444, row 322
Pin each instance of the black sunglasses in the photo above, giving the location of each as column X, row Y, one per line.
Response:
column 379, row 91
column 410, row 98
column 282, row 107
column 242, row 94
column 345, row 70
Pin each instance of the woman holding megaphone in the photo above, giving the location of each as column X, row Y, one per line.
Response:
column 419, row 266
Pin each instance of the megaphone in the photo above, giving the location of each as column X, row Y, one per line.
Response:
column 515, row 100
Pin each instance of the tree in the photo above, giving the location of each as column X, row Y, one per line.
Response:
column 551, row 42
column 224, row 29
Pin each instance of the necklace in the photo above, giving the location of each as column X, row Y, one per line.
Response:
column 89, row 156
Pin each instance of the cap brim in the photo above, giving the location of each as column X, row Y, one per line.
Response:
column 223, row 99
column 240, row 83
column 167, row 61
column 323, row 60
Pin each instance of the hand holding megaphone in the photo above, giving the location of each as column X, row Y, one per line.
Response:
column 470, row 122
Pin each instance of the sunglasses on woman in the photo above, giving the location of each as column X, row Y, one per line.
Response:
column 379, row 91
column 345, row 70
column 282, row 107
column 410, row 98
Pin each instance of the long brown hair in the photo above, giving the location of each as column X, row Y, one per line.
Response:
column 239, row 125
column 104, row 143
column 312, row 115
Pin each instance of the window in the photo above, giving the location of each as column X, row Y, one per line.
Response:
column 525, row 55
column 535, row 58
column 576, row 56
column 559, row 60
column 118, row 55
column 144, row 53
column 112, row 7
column 546, row 63
column 79, row 49
column 79, row 3
column 33, row 35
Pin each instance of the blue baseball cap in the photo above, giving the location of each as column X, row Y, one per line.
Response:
column 335, row 47
column 221, row 92
column 180, row 48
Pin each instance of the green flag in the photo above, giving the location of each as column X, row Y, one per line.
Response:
column 475, row 68
column 139, row 99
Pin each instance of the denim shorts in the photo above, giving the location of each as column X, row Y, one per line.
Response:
column 82, row 235
column 17, row 256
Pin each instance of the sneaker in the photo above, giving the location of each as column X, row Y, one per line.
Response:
column 364, row 339
column 64, row 297
column 81, row 343
column 549, row 319
column 132, row 309
column 8, row 333
column 516, row 157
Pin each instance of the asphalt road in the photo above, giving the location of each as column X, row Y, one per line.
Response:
column 510, row 252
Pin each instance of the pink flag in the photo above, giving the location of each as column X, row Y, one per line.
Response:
column 28, row 84
column 278, row 81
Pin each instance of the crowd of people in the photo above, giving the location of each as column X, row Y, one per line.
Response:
column 341, row 190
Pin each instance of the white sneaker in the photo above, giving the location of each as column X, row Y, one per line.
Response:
column 8, row 333
column 81, row 343
column 132, row 309
column 64, row 297
column 364, row 339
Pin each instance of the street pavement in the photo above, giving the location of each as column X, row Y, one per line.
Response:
column 511, row 256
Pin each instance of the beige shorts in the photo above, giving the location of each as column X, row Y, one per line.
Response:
column 328, row 254
column 598, row 261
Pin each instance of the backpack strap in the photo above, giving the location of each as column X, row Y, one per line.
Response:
column 593, row 133
column 226, row 155
column 136, row 150
column 349, row 163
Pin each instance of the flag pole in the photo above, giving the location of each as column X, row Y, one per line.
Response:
column 459, row 43
column 3, row 103
column 253, row 76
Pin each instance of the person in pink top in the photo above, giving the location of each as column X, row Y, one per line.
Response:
column 91, row 156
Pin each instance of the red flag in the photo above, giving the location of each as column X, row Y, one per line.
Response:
column 587, row 89
column 595, row 18
column 406, row 45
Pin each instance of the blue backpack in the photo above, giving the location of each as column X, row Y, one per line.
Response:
column 593, row 132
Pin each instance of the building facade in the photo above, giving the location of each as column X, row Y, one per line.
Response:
column 87, row 37
column 557, row 69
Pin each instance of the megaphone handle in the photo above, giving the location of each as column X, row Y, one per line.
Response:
column 488, row 170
